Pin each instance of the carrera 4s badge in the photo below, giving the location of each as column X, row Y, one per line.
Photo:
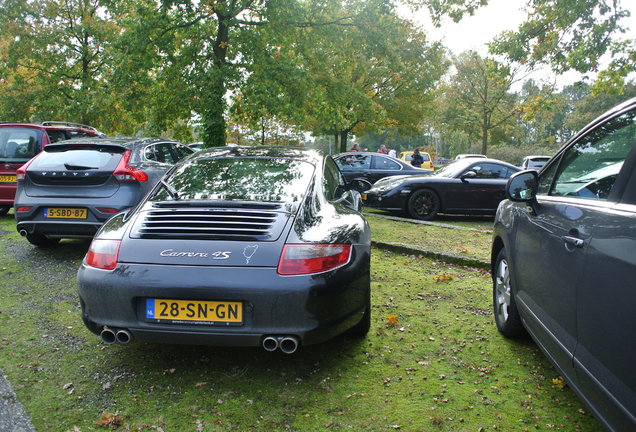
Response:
column 218, row 255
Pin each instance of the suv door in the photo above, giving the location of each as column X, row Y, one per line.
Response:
column 605, row 352
column 575, row 194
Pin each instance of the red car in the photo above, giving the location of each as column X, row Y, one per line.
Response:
column 19, row 142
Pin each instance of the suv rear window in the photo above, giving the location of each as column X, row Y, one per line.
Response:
column 76, row 160
column 19, row 144
column 243, row 179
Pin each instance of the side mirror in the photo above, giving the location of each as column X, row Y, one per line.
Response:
column 468, row 175
column 522, row 186
column 360, row 185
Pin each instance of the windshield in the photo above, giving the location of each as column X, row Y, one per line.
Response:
column 452, row 170
column 240, row 178
column 19, row 144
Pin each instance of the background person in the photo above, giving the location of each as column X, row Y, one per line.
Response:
column 417, row 160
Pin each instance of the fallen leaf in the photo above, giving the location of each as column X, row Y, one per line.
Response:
column 392, row 320
column 111, row 420
column 200, row 384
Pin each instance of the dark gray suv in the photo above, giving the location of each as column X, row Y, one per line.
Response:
column 74, row 186
column 564, row 260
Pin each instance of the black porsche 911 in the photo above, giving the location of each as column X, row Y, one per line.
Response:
column 466, row 186
column 235, row 246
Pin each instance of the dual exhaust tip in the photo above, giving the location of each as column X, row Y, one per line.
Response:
column 110, row 336
column 287, row 344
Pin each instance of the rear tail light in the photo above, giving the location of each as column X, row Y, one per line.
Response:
column 23, row 209
column 103, row 254
column 125, row 172
column 20, row 173
column 308, row 259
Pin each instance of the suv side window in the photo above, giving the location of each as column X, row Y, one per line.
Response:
column 589, row 168
column 181, row 151
column 56, row 135
column 333, row 182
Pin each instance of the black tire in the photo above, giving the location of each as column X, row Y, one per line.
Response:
column 362, row 328
column 4, row 210
column 42, row 241
column 504, row 306
column 423, row 204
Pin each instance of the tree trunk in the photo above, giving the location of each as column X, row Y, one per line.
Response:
column 213, row 119
column 343, row 140
column 484, row 134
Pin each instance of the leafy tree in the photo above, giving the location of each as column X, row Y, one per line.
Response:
column 357, row 68
column 479, row 101
column 55, row 59
column 571, row 35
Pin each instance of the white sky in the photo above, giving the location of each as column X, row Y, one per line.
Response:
column 474, row 32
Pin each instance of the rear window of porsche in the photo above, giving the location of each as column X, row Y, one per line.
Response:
column 240, row 178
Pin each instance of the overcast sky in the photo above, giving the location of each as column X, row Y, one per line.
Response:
column 473, row 32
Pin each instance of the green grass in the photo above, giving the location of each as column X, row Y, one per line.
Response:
column 439, row 238
column 433, row 361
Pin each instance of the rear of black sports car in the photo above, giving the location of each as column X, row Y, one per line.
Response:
column 240, row 247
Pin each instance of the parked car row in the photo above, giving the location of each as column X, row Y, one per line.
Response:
column 257, row 246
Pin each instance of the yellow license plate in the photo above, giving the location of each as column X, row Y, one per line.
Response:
column 363, row 196
column 7, row 179
column 65, row 213
column 209, row 312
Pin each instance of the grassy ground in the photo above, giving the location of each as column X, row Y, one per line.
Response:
column 459, row 236
column 432, row 362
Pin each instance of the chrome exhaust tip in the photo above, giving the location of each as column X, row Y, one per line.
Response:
column 289, row 344
column 23, row 232
column 270, row 343
column 108, row 336
column 123, row 336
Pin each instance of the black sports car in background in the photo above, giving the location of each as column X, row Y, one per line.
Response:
column 235, row 246
column 466, row 186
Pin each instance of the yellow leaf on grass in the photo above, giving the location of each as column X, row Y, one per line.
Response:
column 558, row 383
column 443, row 277
column 392, row 320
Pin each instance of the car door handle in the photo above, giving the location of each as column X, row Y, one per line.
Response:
column 572, row 241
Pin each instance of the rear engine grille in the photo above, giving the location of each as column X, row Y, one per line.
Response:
column 211, row 224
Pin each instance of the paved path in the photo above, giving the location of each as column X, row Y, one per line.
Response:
column 12, row 415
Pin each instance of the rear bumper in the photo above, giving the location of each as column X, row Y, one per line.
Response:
column 65, row 229
column 313, row 308
column 33, row 221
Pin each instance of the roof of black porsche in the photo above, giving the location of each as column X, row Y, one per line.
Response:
column 308, row 155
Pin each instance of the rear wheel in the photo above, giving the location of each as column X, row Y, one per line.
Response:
column 423, row 204
column 42, row 241
column 505, row 308
column 4, row 210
